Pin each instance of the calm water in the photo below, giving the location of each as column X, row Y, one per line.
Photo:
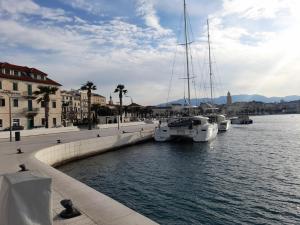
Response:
column 248, row 175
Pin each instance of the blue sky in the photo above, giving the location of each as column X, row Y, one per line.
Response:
column 134, row 42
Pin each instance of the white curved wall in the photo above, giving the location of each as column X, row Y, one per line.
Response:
column 69, row 151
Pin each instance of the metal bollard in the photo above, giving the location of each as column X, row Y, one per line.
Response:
column 69, row 211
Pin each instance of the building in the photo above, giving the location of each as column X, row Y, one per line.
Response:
column 97, row 99
column 229, row 98
column 75, row 105
column 71, row 107
column 17, row 85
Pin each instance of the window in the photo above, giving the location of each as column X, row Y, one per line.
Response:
column 19, row 73
column 43, row 104
column 15, row 72
column 16, row 102
column 29, row 89
column 54, row 104
column 16, row 122
column 43, row 122
column 54, row 122
column 2, row 102
column 15, row 86
column 38, row 77
column 6, row 71
column 11, row 72
column 1, row 123
column 0, row 84
column 29, row 105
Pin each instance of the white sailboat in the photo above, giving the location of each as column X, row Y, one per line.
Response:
column 196, row 128
column 223, row 123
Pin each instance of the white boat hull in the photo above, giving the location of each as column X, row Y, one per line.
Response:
column 202, row 133
column 224, row 125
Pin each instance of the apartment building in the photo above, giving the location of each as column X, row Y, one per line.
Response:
column 17, row 85
column 75, row 105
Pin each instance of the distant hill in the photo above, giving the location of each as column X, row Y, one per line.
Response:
column 239, row 98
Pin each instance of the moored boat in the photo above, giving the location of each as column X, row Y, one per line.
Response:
column 196, row 128
column 241, row 119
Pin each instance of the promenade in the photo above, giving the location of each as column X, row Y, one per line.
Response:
column 95, row 207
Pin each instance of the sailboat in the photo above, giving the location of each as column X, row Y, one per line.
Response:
column 223, row 123
column 196, row 128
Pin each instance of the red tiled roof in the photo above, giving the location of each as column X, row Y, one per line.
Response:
column 29, row 79
column 26, row 76
column 24, row 69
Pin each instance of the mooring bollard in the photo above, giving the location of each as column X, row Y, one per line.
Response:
column 23, row 168
column 98, row 135
column 19, row 151
column 58, row 141
column 69, row 211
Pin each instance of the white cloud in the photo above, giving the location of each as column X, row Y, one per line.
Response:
column 254, row 9
column 145, row 9
column 28, row 7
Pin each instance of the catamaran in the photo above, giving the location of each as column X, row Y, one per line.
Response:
column 196, row 128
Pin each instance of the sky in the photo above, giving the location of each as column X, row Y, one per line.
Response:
column 255, row 45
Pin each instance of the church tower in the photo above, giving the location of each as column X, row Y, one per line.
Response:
column 229, row 98
column 110, row 100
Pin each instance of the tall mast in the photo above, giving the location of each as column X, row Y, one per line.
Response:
column 210, row 70
column 187, row 51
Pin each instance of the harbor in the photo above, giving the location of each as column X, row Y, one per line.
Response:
column 140, row 112
column 244, row 176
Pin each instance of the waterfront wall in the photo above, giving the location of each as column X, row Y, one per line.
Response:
column 98, row 207
column 62, row 153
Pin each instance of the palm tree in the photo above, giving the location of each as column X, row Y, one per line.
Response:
column 121, row 90
column 89, row 86
column 43, row 95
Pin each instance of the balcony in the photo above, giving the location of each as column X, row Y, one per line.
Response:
column 31, row 112
column 28, row 95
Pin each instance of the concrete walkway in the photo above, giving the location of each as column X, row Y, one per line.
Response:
column 110, row 212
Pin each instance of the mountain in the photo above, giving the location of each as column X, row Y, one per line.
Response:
column 239, row 98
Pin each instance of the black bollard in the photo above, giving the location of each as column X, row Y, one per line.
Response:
column 69, row 211
column 98, row 135
column 23, row 168
column 58, row 141
column 19, row 151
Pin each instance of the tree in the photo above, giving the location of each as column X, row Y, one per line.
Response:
column 89, row 86
column 121, row 90
column 43, row 95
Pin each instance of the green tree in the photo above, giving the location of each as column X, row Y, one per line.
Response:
column 89, row 86
column 43, row 95
column 121, row 90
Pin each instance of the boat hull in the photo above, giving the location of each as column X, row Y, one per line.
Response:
column 224, row 125
column 202, row 133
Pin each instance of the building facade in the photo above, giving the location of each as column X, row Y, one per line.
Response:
column 75, row 105
column 17, row 85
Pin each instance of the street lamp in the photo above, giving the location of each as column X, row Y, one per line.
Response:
column 10, row 94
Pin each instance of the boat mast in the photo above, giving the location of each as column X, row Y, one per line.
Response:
column 210, row 70
column 187, row 51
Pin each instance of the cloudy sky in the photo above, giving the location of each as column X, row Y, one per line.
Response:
column 255, row 45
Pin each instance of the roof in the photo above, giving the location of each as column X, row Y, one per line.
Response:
column 94, row 94
column 24, row 69
column 25, row 76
